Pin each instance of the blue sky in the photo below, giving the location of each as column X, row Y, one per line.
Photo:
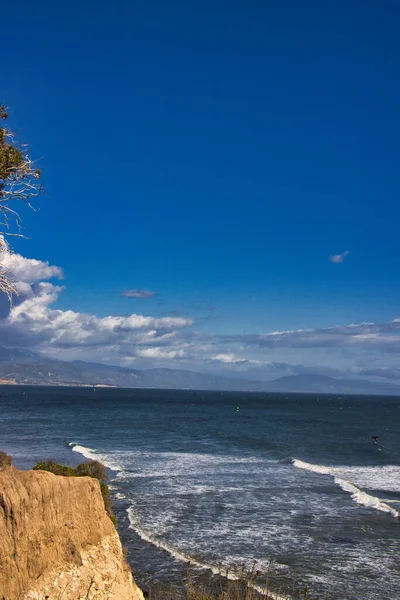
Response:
column 216, row 154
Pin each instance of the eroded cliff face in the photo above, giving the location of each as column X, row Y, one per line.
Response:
column 57, row 541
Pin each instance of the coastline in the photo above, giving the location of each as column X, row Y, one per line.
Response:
column 138, row 543
column 126, row 524
column 191, row 479
column 56, row 384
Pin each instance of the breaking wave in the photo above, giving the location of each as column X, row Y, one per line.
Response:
column 92, row 454
column 349, row 478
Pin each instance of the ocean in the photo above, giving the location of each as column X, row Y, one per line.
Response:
column 293, row 482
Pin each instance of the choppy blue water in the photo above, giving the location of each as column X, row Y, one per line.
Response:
column 297, row 478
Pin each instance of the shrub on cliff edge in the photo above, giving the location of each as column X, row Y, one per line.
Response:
column 52, row 467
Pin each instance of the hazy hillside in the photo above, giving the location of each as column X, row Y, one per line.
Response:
column 26, row 367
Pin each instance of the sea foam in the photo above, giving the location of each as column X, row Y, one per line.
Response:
column 349, row 478
column 92, row 454
column 216, row 570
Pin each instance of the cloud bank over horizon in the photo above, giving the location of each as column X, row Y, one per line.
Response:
column 359, row 349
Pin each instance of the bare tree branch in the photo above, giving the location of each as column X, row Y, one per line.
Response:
column 19, row 181
column 6, row 283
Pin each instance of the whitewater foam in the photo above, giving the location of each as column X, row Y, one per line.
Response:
column 92, row 454
column 369, row 477
column 182, row 557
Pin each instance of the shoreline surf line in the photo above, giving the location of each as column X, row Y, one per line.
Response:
column 91, row 454
column 356, row 493
column 180, row 556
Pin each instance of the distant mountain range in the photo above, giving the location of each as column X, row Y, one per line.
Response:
column 31, row 368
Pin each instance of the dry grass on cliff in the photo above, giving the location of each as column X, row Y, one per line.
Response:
column 235, row 585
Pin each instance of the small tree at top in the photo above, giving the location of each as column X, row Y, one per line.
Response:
column 19, row 181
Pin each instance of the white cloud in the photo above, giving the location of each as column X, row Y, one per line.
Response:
column 228, row 358
column 385, row 336
column 28, row 270
column 232, row 359
column 160, row 353
column 35, row 316
column 33, row 321
column 141, row 322
column 339, row 258
column 137, row 339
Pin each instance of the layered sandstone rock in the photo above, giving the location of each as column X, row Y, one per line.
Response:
column 57, row 541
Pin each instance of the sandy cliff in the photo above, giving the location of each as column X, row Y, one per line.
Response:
column 56, row 540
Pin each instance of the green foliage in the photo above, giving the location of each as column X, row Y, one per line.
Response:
column 105, row 492
column 19, row 178
column 19, row 181
column 93, row 469
column 10, row 158
column 52, row 467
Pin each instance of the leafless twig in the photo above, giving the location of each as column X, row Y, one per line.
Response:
column 19, row 181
